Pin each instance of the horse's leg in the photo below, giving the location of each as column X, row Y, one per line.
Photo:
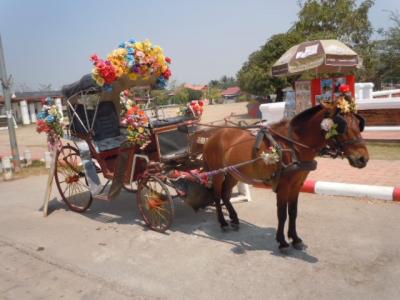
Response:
column 227, row 187
column 282, row 215
column 217, row 185
column 292, row 233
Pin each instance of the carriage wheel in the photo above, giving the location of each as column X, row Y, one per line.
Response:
column 71, row 180
column 155, row 203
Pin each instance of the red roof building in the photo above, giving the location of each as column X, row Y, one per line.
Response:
column 196, row 87
column 231, row 93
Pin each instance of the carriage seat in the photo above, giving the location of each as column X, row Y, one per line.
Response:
column 168, row 121
column 106, row 128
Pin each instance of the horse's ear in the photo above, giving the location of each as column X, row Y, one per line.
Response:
column 330, row 106
column 341, row 124
column 361, row 121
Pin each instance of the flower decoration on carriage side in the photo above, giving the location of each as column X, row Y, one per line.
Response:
column 193, row 109
column 49, row 121
column 271, row 156
column 137, row 126
column 330, row 127
column 137, row 60
column 125, row 99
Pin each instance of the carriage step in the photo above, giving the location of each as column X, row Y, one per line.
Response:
column 103, row 197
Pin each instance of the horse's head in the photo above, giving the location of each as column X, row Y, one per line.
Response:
column 342, row 127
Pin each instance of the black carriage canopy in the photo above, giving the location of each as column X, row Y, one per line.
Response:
column 86, row 83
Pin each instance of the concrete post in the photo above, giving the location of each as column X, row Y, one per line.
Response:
column 32, row 112
column 24, row 112
column 28, row 157
column 7, row 169
column 59, row 106
column 16, row 112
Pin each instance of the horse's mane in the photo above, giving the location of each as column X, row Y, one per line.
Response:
column 280, row 126
column 304, row 116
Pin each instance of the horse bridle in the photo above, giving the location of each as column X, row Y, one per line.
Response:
column 337, row 149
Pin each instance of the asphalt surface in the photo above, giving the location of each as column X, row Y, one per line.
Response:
column 353, row 250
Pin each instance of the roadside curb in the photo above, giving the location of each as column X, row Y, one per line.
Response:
column 351, row 190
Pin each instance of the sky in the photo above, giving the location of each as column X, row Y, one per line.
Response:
column 50, row 41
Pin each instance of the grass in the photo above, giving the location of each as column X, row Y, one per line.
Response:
column 386, row 151
column 36, row 168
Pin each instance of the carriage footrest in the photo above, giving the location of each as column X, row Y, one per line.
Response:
column 104, row 197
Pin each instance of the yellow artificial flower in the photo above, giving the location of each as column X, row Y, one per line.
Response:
column 133, row 76
column 140, row 129
column 343, row 105
column 100, row 81
column 139, row 46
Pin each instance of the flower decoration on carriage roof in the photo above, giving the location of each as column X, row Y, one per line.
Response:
column 138, row 60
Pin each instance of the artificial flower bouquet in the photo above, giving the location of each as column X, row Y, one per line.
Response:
column 136, row 60
column 49, row 121
column 271, row 155
column 193, row 109
column 137, row 126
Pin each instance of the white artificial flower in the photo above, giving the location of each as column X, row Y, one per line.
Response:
column 327, row 124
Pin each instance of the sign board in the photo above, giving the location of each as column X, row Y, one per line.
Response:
column 290, row 105
column 303, row 95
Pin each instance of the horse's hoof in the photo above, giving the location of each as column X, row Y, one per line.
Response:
column 299, row 245
column 284, row 249
column 235, row 226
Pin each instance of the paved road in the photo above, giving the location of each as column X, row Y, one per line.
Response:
column 353, row 251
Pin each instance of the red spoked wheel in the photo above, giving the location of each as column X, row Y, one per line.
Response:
column 155, row 203
column 71, row 180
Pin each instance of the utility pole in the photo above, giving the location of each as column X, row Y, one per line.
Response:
column 6, row 82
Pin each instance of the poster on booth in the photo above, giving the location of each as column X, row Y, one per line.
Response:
column 303, row 95
column 290, row 105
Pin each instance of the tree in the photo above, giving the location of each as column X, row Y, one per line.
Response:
column 342, row 20
column 255, row 75
column 223, row 83
column 214, row 93
column 389, row 52
column 317, row 19
column 180, row 95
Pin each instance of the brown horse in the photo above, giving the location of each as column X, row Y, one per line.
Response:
column 299, row 142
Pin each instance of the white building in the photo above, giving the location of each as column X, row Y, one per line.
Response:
column 26, row 105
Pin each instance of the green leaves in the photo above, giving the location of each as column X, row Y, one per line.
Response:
column 331, row 132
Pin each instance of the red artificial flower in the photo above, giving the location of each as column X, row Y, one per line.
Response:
column 168, row 60
column 344, row 88
column 94, row 58
column 167, row 74
column 201, row 103
column 42, row 126
column 132, row 110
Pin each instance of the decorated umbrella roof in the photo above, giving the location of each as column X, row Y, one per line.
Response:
column 323, row 56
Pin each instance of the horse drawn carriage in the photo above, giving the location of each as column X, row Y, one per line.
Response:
column 140, row 149
column 96, row 141
column 159, row 154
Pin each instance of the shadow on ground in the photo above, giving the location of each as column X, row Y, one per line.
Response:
column 203, row 224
